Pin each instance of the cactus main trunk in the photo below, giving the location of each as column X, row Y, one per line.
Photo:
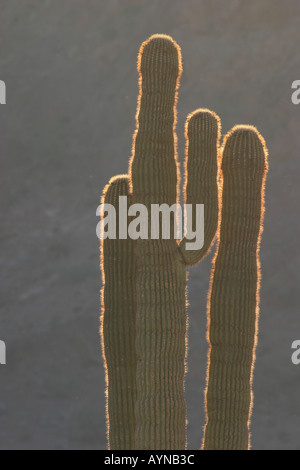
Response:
column 161, row 278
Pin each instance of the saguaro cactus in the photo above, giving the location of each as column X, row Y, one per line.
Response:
column 156, row 279
column 144, row 319
column 233, row 303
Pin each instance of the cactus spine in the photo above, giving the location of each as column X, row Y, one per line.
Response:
column 159, row 277
column 233, row 303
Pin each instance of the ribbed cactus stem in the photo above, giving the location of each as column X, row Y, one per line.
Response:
column 118, row 326
column 161, row 279
column 233, row 305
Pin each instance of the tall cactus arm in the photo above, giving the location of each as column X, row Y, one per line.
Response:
column 161, row 276
column 233, row 303
column 118, row 326
column 202, row 131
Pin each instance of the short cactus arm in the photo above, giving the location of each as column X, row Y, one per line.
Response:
column 202, row 131
column 118, row 326
column 233, row 302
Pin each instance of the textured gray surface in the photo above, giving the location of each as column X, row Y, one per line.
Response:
column 70, row 71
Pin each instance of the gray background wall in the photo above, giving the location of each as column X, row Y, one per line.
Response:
column 70, row 71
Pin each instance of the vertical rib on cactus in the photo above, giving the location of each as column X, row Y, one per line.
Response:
column 233, row 304
column 118, row 327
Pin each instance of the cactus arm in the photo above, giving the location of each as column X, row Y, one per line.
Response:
column 233, row 302
column 202, row 131
column 118, row 327
column 161, row 276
